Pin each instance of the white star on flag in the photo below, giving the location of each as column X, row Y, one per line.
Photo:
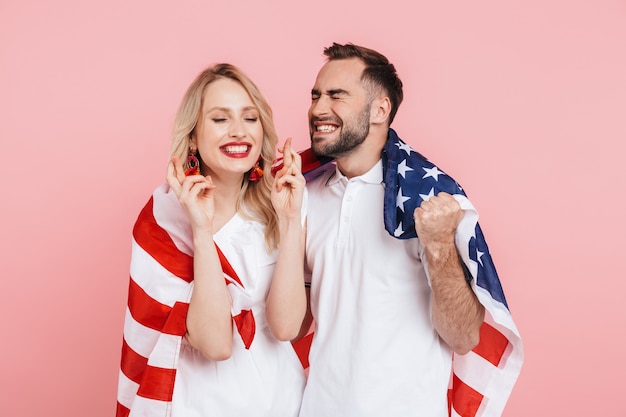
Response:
column 479, row 255
column 403, row 168
column 400, row 199
column 406, row 148
column 426, row 197
column 432, row 172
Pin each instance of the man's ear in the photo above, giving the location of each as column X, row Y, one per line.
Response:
column 381, row 108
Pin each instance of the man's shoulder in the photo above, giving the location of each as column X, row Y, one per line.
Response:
column 412, row 170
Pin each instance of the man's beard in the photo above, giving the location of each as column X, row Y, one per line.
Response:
column 351, row 137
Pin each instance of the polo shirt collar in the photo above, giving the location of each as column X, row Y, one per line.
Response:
column 373, row 176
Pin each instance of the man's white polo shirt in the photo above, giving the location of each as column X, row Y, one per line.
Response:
column 375, row 351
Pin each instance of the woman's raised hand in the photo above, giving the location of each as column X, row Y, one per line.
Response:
column 289, row 183
column 195, row 194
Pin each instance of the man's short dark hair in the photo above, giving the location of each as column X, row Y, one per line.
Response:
column 378, row 72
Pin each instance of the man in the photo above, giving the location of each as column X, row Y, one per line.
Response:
column 397, row 274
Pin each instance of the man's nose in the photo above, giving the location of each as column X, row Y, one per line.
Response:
column 320, row 107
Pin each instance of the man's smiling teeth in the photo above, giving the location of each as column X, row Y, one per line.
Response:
column 326, row 128
column 235, row 149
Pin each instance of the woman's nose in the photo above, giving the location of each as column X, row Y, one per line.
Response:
column 237, row 129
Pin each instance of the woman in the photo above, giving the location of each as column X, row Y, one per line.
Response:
column 212, row 302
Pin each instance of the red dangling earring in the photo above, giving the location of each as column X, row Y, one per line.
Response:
column 256, row 172
column 193, row 165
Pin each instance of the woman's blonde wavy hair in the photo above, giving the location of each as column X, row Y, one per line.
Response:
column 254, row 199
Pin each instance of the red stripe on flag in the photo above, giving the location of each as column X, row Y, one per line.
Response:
column 145, row 309
column 176, row 323
column 121, row 411
column 227, row 267
column 150, row 313
column 463, row 398
column 157, row 383
column 492, row 344
column 246, row 326
column 302, row 347
column 133, row 364
column 158, row 243
column 308, row 159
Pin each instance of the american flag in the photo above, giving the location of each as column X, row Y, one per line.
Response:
column 483, row 379
column 161, row 281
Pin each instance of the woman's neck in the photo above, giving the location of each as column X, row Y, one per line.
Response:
column 225, row 200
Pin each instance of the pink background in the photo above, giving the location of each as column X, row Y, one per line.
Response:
column 523, row 102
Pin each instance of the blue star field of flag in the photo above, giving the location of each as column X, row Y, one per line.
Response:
column 410, row 178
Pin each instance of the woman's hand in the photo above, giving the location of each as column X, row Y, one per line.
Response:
column 286, row 302
column 289, row 183
column 195, row 194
